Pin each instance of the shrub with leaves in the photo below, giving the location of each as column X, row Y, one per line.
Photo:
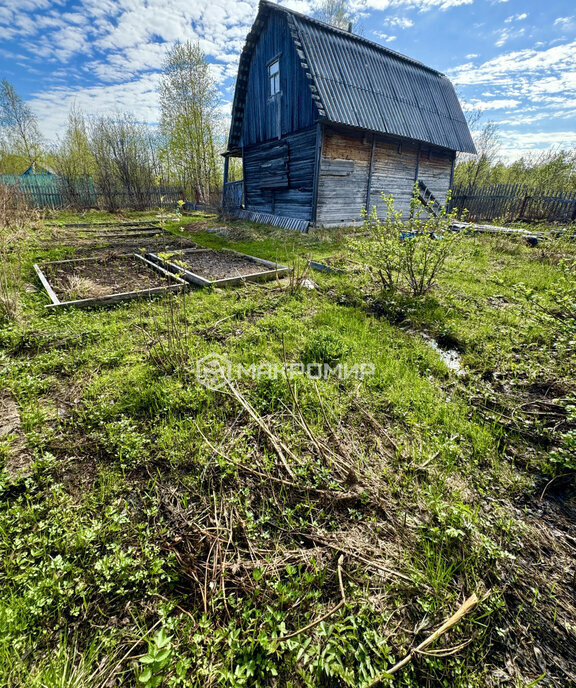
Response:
column 157, row 660
column 555, row 308
column 408, row 255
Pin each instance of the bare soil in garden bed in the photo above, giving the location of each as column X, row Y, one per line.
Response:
column 216, row 265
column 105, row 276
column 85, row 245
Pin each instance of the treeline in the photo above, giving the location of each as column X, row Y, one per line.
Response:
column 548, row 172
column 543, row 171
column 123, row 162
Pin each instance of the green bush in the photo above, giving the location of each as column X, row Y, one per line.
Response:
column 407, row 255
column 324, row 347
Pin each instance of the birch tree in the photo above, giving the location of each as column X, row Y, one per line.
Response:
column 340, row 13
column 189, row 99
column 74, row 161
column 18, row 125
column 474, row 170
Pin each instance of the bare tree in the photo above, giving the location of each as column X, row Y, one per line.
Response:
column 475, row 170
column 18, row 125
column 340, row 13
column 125, row 161
column 74, row 162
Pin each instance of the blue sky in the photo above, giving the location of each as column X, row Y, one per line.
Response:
column 514, row 60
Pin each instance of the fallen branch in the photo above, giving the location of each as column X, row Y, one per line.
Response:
column 468, row 605
column 331, row 494
column 280, row 448
column 340, row 560
column 557, row 477
column 350, row 553
column 314, row 623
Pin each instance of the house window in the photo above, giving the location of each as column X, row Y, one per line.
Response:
column 274, row 77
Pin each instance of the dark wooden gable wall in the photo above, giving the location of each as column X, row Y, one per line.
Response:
column 293, row 109
column 279, row 175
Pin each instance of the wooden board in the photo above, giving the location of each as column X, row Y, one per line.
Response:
column 271, row 270
column 177, row 285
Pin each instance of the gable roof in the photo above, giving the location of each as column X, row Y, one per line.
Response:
column 362, row 84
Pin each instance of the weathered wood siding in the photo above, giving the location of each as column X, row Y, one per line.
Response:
column 345, row 174
column 279, row 175
column 436, row 172
column 394, row 173
column 290, row 110
column 343, row 177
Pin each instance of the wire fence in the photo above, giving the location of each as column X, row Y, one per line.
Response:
column 509, row 202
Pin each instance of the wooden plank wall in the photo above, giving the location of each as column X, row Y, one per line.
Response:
column 394, row 173
column 297, row 109
column 345, row 171
column 279, row 175
column 435, row 171
column 343, row 178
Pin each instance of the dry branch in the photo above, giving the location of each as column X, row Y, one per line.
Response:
column 468, row 605
column 279, row 447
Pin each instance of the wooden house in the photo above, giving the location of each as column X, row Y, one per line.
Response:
column 325, row 121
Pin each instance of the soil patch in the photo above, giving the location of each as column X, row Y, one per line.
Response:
column 216, row 265
column 101, row 277
column 19, row 459
column 136, row 242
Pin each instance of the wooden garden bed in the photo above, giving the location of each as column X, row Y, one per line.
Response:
column 104, row 280
column 205, row 267
column 115, row 240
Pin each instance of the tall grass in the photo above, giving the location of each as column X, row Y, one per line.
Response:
column 13, row 217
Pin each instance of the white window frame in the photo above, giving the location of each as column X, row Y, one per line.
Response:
column 274, row 77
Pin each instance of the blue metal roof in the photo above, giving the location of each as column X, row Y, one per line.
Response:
column 362, row 84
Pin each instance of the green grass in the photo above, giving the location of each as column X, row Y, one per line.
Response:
column 156, row 503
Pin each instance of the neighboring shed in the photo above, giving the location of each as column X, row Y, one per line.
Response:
column 326, row 121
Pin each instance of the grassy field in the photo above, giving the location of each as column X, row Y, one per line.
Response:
column 292, row 532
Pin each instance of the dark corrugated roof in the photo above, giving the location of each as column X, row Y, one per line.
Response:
column 362, row 84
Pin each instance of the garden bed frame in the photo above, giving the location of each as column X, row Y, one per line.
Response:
column 109, row 298
column 271, row 270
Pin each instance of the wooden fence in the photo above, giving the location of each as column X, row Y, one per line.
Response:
column 510, row 202
column 51, row 191
column 233, row 194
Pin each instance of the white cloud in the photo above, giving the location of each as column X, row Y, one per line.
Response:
column 421, row 5
column 118, row 46
column 384, row 37
column 515, row 17
column 400, row 22
column 505, row 35
column 527, row 71
column 527, row 86
column 497, row 104
column 137, row 96
column 518, row 144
